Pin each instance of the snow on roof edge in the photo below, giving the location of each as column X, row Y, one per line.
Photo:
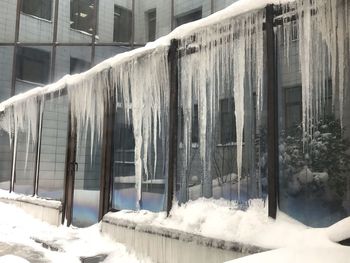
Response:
column 238, row 8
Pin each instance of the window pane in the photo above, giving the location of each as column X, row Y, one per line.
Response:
column 71, row 60
column 152, row 20
column 122, row 24
column 25, row 164
column 188, row 11
column 221, row 4
column 38, row 8
column 7, row 20
column 87, row 180
column 33, row 65
column 53, row 148
column 314, row 178
column 105, row 52
column 75, row 21
column 36, row 24
column 213, row 173
column 6, row 61
column 124, row 191
column 81, row 15
column 5, row 159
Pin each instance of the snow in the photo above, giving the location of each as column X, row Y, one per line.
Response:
column 290, row 240
column 12, row 259
column 31, row 199
column 300, row 255
column 18, row 228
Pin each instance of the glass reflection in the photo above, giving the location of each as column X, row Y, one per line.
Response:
column 53, row 148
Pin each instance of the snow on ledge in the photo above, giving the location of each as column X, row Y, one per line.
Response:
column 223, row 220
column 35, row 200
column 236, row 9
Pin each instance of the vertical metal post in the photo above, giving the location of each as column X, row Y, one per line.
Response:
column 107, row 150
column 14, row 157
column 69, row 178
column 212, row 6
column 272, row 113
column 54, row 41
column 132, row 40
column 38, row 146
column 14, row 61
column 94, row 32
column 172, row 11
column 173, row 120
column 13, row 91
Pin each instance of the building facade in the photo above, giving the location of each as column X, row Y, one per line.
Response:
column 224, row 145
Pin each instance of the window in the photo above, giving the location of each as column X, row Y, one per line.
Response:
column 195, row 125
column 81, row 15
column 78, row 65
column 295, row 31
column 33, row 65
column 122, row 24
column 39, row 8
column 227, row 121
column 293, row 107
column 188, row 17
column 152, row 19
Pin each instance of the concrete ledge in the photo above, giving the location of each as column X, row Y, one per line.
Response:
column 49, row 211
column 170, row 245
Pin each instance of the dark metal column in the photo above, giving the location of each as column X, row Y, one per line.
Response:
column 38, row 145
column 94, row 33
column 107, row 151
column 54, row 41
column 67, row 213
column 272, row 113
column 14, row 62
column 173, row 120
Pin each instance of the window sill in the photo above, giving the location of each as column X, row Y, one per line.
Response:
column 37, row 18
column 30, row 82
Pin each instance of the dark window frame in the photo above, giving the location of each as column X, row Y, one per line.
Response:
column 43, row 11
column 39, row 57
column 119, row 14
column 77, row 20
column 227, row 128
column 78, row 65
column 151, row 28
column 189, row 16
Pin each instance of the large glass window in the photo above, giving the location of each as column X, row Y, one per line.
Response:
column 5, row 159
column 314, row 145
column 33, row 65
column 81, row 15
column 78, row 65
column 227, row 121
column 53, row 148
column 152, row 23
column 189, row 16
column 7, row 20
column 38, row 8
column 122, row 24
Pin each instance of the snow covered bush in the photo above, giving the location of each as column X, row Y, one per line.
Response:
column 318, row 160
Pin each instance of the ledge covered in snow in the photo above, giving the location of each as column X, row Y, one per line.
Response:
column 6, row 196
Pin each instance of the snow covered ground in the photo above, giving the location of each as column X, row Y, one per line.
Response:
column 289, row 240
column 18, row 231
column 20, row 234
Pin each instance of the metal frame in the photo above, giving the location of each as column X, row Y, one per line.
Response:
column 108, row 129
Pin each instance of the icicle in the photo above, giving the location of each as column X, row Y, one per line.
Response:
column 220, row 52
column 323, row 32
column 144, row 83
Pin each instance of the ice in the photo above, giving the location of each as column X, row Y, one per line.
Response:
column 231, row 49
column 323, row 30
